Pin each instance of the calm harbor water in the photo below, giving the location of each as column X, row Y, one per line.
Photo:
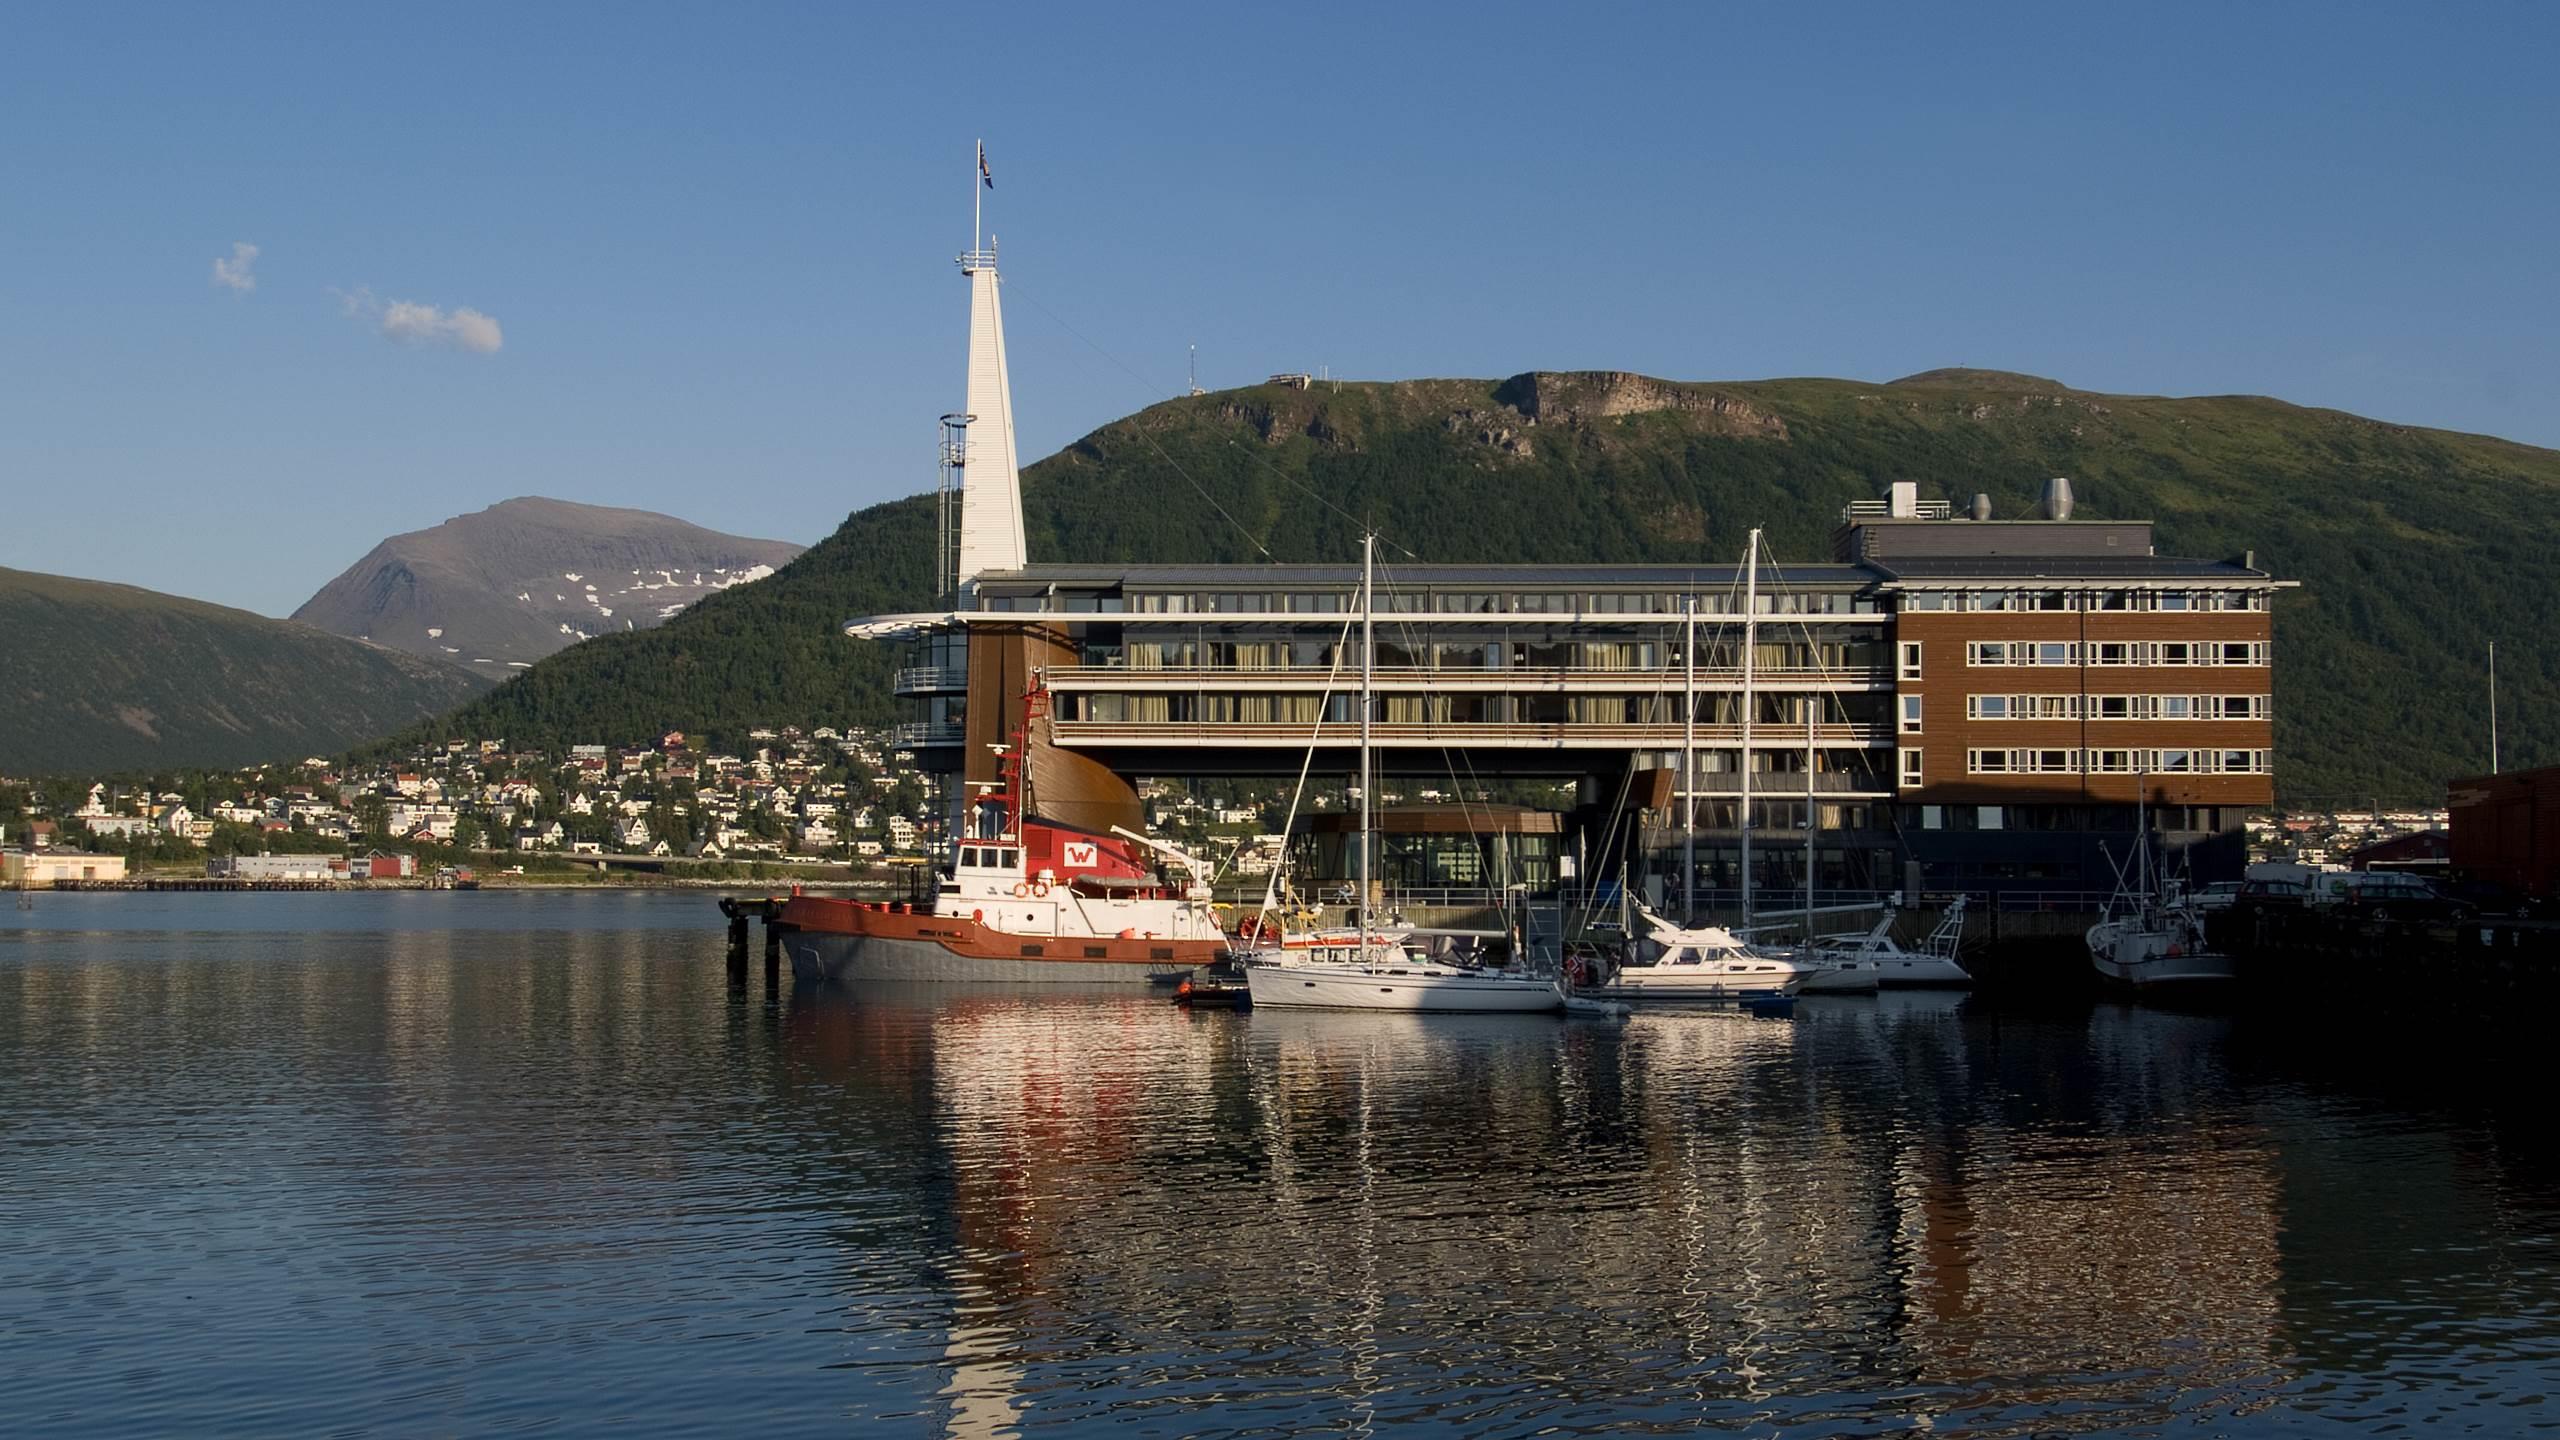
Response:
column 431, row 1164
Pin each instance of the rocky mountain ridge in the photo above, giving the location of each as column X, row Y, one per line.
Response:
column 498, row 589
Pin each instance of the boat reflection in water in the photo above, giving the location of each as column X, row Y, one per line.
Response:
column 1881, row 1212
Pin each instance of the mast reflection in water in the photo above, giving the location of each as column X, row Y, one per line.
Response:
column 399, row 1174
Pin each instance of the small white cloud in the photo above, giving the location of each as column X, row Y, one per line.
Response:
column 424, row 324
column 468, row 328
column 234, row 272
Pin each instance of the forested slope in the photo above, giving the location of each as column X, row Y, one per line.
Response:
column 2415, row 546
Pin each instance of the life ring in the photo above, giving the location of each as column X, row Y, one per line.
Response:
column 1039, row 887
column 980, row 916
column 1021, row 890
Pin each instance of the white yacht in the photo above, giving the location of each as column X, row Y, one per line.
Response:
column 1700, row 963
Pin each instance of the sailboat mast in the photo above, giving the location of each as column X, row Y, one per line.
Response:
column 1750, row 701
column 1812, row 814
column 1368, row 648
column 1689, row 768
column 2493, row 707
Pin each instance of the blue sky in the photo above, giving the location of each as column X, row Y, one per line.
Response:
column 712, row 245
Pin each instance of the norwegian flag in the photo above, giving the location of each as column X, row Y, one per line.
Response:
column 983, row 172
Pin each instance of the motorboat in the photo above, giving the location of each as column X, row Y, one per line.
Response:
column 1701, row 963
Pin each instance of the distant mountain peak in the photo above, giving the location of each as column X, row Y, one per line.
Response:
column 496, row 589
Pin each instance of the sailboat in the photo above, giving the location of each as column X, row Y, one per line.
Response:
column 2150, row 937
column 1875, row 952
column 1369, row 968
column 1823, row 973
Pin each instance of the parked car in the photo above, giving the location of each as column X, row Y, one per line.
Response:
column 2289, row 894
column 2390, row 895
column 2221, row 895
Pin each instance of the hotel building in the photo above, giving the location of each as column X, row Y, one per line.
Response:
column 1955, row 702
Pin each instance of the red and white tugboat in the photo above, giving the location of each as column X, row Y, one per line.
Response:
column 1026, row 900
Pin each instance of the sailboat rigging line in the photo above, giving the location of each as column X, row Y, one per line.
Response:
column 1341, row 644
column 1142, row 383
column 1142, row 434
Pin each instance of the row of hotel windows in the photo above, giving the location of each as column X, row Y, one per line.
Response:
column 1464, row 652
column 2098, row 707
column 2098, row 762
column 2104, row 652
column 2174, row 601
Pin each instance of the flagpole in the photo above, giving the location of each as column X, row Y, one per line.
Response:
column 978, row 202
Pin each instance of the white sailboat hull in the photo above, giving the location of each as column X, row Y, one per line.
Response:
column 1918, row 971
column 1365, row 987
column 1854, row 977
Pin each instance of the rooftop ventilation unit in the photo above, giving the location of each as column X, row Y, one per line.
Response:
column 2057, row 498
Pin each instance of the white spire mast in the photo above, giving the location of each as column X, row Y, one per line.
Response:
column 991, row 496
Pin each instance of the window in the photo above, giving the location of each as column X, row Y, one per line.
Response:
column 2173, row 600
column 2115, row 652
column 1910, row 654
column 1986, row 707
column 2023, row 762
column 2022, row 652
column 1986, row 817
column 1910, row 714
column 2173, row 761
column 1928, row 600
column 1910, row 767
column 2111, row 762
column 2241, row 653
column 2177, row 707
column 2176, row 652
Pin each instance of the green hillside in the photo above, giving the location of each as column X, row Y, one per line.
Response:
column 2415, row 546
column 97, row 677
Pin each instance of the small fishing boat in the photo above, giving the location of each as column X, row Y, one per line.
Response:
column 2151, row 939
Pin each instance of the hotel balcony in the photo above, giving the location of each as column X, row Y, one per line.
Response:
column 928, row 734
column 1440, row 735
column 925, row 680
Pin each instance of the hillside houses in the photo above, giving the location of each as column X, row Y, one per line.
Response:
column 827, row 794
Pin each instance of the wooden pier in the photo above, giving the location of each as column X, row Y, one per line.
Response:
column 740, row 909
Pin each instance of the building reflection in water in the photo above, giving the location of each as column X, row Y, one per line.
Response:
column 1881, row 1207
column 384, row 1165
